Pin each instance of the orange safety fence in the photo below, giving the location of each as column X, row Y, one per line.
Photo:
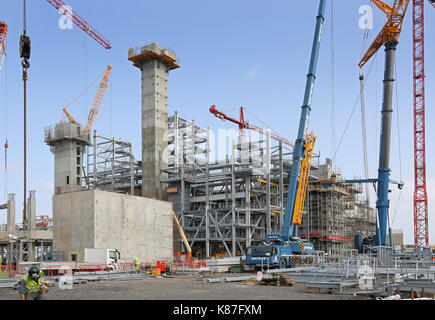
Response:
column 163, row 265
column 191, row 263
column 56, row 269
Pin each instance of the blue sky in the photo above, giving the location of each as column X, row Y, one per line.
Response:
column 233, row 53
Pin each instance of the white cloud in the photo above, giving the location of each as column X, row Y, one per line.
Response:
column 252, row 73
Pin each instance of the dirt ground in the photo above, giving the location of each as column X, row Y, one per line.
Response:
column 182, row 287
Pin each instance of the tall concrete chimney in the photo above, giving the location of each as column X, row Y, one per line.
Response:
column 31, row 210
column 11, row 213
column 155, row 62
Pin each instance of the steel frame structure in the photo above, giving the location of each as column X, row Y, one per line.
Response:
column 225, row 206
column 111, row 166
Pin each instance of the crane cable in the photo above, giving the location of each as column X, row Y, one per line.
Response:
column 85, row 78
column 353, row 110
column 266, row 126
column 399, row 145
column 332, row 84
column 99, row 76
column 6, row 130
column 364, row 45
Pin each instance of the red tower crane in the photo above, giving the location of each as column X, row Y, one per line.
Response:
column 421, row 233
column 81, row 23
column 243, row 125
column 3, row 33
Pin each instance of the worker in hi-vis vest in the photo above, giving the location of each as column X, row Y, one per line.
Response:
column 136, row 263
column 30, row 286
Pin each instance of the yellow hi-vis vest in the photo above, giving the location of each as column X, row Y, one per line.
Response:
column 32, row 285
column 136, row 263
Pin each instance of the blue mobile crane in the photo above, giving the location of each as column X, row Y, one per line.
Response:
column 285, row 249
column 387, row 37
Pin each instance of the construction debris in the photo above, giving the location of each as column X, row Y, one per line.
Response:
column 279, row 281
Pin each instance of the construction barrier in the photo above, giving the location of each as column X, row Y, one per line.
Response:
column 156, row 272
column 190, row 263
column 302, row 260
column 126, row 266
column 161, row 265
column 332, row 259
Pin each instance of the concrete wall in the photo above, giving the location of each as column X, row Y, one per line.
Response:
column 136, row 226
column 398, row 238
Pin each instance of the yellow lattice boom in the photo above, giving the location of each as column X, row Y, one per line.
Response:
column 310, row 140
column 391, row 30
column 95, row 105
column 97, row 101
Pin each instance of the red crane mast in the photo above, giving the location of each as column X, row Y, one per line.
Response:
column 421, row 233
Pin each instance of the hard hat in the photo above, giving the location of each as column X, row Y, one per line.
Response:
column 34, row 272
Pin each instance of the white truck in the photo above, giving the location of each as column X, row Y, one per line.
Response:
column 101, row 256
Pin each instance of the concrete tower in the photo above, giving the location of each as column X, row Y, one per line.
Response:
column 31, row 210
column 67, row 143
column 155, row 62
column 11, row 213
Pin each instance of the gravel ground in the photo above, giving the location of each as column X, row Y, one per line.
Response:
column 182, row 287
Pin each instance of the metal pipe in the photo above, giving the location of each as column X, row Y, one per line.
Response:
column 364, row 136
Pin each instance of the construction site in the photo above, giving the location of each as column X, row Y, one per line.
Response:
column 267, row 218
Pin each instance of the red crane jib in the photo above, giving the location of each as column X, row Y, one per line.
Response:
column 243, row 124
column 82, row 24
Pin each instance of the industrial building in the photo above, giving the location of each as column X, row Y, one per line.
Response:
column 223, row 205
column 181, row 198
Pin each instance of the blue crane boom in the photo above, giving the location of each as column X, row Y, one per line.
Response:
column 288, row 229
column 286, row 249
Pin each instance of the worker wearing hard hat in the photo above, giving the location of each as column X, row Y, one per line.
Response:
column 31, row 285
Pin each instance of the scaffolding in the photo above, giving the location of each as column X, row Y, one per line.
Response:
column 335, row 214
